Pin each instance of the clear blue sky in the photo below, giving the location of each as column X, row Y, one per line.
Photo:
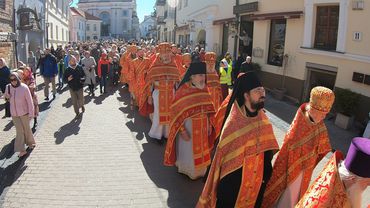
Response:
column 144, row 7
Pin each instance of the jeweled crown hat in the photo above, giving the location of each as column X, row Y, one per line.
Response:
column 186, row 56
column 132, row 48
column 210, row 56
column 322, row 99
column 358, row 157
column 164, row 48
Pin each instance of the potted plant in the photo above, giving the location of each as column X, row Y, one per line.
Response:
column 345, row 104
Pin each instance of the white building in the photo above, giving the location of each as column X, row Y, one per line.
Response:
column 166, row 20
column 118, row 17
column 208, row 23
column 148, row 27
column 56, row 21
column 77, row 25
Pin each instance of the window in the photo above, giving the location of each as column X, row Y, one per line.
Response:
column 124, row 24
column 88, row 27
column 277, row 42
column 94, row 27
column 180, row 4
column 186, row 3
column 63, row 34
column 2, row 4
column 88, row 38
column 326, row 34
column 125, row 13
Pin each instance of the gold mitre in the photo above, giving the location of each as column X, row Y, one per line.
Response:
column 186, row 57
column 132, row 48
column 210, row 56
column 322, row 99
column 164, row 48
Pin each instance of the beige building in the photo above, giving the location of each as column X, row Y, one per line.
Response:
column 304, row 43
column 56, row 20
column 93, row 27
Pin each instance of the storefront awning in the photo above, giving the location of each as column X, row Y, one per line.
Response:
column 223, row 21
column 278, row 15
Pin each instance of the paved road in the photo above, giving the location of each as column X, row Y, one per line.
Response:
column 104, row 159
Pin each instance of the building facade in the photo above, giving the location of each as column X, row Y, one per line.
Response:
column 306, row 43
column 205, row 23
column 77, row 25
column 30, row 26
column 56, row 21
column 93, row 27
column 148, row 27
column 119, row 19
column 7, row 33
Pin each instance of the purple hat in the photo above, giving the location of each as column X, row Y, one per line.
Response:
column 358, row 157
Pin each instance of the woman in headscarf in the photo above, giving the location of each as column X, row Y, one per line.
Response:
column 22, row 110
column 26, row 77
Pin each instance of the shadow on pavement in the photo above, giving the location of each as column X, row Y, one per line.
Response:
column 8, row 126
column 71, row 128
column 182, row 191
column 11, row 167
column 68, row 103
column 46, row 105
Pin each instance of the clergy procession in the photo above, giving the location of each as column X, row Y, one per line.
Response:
column 211, row 119
column 226, row 139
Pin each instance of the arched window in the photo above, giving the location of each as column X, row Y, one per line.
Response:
column 105, row 25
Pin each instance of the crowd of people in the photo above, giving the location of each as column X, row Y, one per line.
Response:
column 209, row 112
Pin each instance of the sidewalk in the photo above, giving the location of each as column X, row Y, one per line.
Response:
column 106, row 159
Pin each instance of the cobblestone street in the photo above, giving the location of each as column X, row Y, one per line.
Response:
column 104, row 159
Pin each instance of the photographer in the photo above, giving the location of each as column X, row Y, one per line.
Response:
column 75, row 77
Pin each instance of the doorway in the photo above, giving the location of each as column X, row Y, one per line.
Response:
column 319, row 77
column 246, row 36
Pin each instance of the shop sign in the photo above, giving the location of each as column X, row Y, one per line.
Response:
column 7, row 37
column 245, row 8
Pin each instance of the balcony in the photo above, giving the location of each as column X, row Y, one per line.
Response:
column 160, row 20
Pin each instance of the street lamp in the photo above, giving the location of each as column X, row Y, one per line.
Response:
column 47, row 34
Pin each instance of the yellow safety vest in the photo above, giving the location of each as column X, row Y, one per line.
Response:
column 225, row 77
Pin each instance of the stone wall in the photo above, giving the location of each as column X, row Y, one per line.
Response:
column 6, row 25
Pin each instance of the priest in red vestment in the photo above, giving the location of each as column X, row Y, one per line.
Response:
column 188, row 143
column 242, row 163
column 305, row 144
column 160, row 83
column 341, row 182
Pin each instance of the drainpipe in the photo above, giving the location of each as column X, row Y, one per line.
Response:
column 175, row 26
column 15, row 41
column 237, row 16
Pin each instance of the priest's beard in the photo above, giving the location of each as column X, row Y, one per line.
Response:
column 257, row 105
column 200, row 85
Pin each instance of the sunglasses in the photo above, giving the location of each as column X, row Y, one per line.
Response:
column 12, row 80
